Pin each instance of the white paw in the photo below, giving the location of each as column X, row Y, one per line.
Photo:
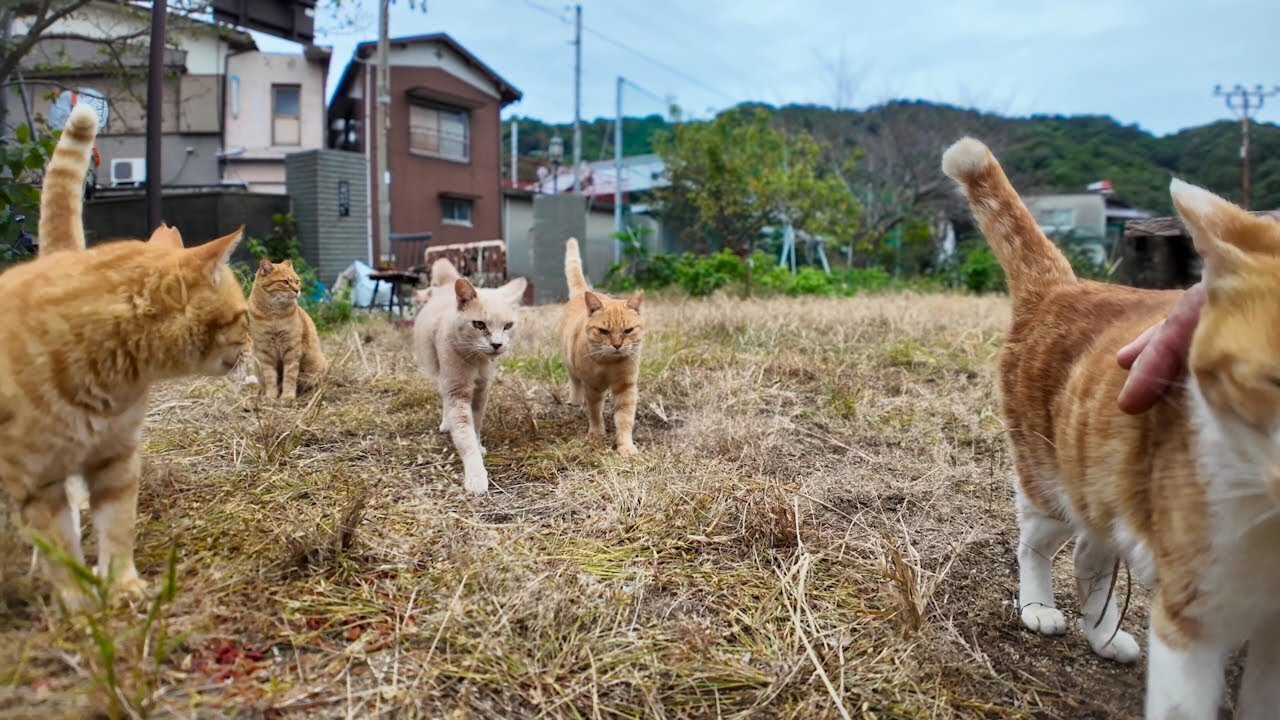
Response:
column 483, row 451
column 1044, row 620
column 476, row 482
column 1122, row 648
column 444, row 426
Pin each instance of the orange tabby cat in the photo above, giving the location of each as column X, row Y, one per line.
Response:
column 84, row 335
column 601, row 338
column 285, row 340
column 1188, row 493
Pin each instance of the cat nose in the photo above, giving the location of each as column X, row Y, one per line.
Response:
column 496, row 345
column 617, row 346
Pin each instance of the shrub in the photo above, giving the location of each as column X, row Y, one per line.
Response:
column 980, row 271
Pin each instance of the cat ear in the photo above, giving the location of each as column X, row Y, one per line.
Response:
column 166, row 236
column 634, row 301
column 215, row 253
column 593, row 302
column 265, row 266
column 465, row 291
column 1209, row 218
column 515, row 289
column 287, row 261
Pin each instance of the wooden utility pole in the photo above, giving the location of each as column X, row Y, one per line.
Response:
column 380, row 133
column 1245, row 103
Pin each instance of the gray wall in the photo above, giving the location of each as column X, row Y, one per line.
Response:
column 556, row 218
column 180, row 167
column 330, row 241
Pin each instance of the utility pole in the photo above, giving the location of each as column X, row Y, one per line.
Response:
column 617, row 171
column 155, row 118
column 577, row 93
column 380, row 133
column 1245, row 103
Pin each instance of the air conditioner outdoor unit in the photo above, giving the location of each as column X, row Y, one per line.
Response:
column 127, row 172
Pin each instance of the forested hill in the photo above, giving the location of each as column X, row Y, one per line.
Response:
column 1041, row 153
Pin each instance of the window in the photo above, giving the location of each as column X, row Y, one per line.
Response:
column 440, row 132
column 457, row 211
column 286, row 115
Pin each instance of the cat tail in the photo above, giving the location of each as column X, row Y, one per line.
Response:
column 573, row 269
column 62, row 197
column 443, row 272
column 1032, row 263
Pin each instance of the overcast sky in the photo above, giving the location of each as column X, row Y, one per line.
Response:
column 1149, row 62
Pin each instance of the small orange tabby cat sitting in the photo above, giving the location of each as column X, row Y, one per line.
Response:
column 601, row 338
column 1188, row 493
column 285, row 341
column 85, row 333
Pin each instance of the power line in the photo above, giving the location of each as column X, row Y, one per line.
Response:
column 638, row 53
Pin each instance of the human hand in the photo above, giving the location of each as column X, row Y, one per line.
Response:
column 1155, row 358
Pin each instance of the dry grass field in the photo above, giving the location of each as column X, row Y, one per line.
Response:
column 820, row 526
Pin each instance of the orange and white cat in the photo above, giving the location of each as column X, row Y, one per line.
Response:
column 85, row 332
column 285, row 341
column 1189, row 492
column 601, row 338
column 459, row 333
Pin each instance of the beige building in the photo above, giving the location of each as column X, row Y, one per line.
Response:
column 216, row 130
column 274, row 106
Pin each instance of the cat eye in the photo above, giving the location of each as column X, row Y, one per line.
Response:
column 1274, row 380
column 508, row 326
column 479, row 325
column 628, row 331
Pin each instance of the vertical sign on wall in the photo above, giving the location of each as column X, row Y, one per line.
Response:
column 344, row 198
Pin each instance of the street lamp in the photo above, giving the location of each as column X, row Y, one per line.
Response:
column 555, row 153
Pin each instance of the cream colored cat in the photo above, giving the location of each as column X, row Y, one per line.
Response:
column 1189, row 492
column 601, row 338
column 458, row 335
column 85, row 333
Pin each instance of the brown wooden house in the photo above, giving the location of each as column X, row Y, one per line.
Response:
column 443, row 138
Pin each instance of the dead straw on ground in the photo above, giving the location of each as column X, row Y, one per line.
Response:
column 819, row 526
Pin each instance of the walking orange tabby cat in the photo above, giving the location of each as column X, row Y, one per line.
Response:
column 285, row 341
column 1189, row 492
column 601, row 338
column 85, row 333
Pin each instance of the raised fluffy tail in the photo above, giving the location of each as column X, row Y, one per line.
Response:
column 62, row 197
column 1032, row 263
column 573, row 269
column 443, row 272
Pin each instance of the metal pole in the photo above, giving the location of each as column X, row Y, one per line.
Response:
column 155, row 115
column 381, row 133
column 617, row 171
column 577, row 93
column 515, row 149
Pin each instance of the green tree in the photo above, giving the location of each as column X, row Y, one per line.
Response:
column 736, row 175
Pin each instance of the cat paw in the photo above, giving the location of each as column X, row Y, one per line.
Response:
column 628, row 450
column 595, row 433
column 483, row 450
column 1123, row 648
column 476, row 483
column 444, row 427
column 1044, row 620
column 130, row 586
column 74, row 600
